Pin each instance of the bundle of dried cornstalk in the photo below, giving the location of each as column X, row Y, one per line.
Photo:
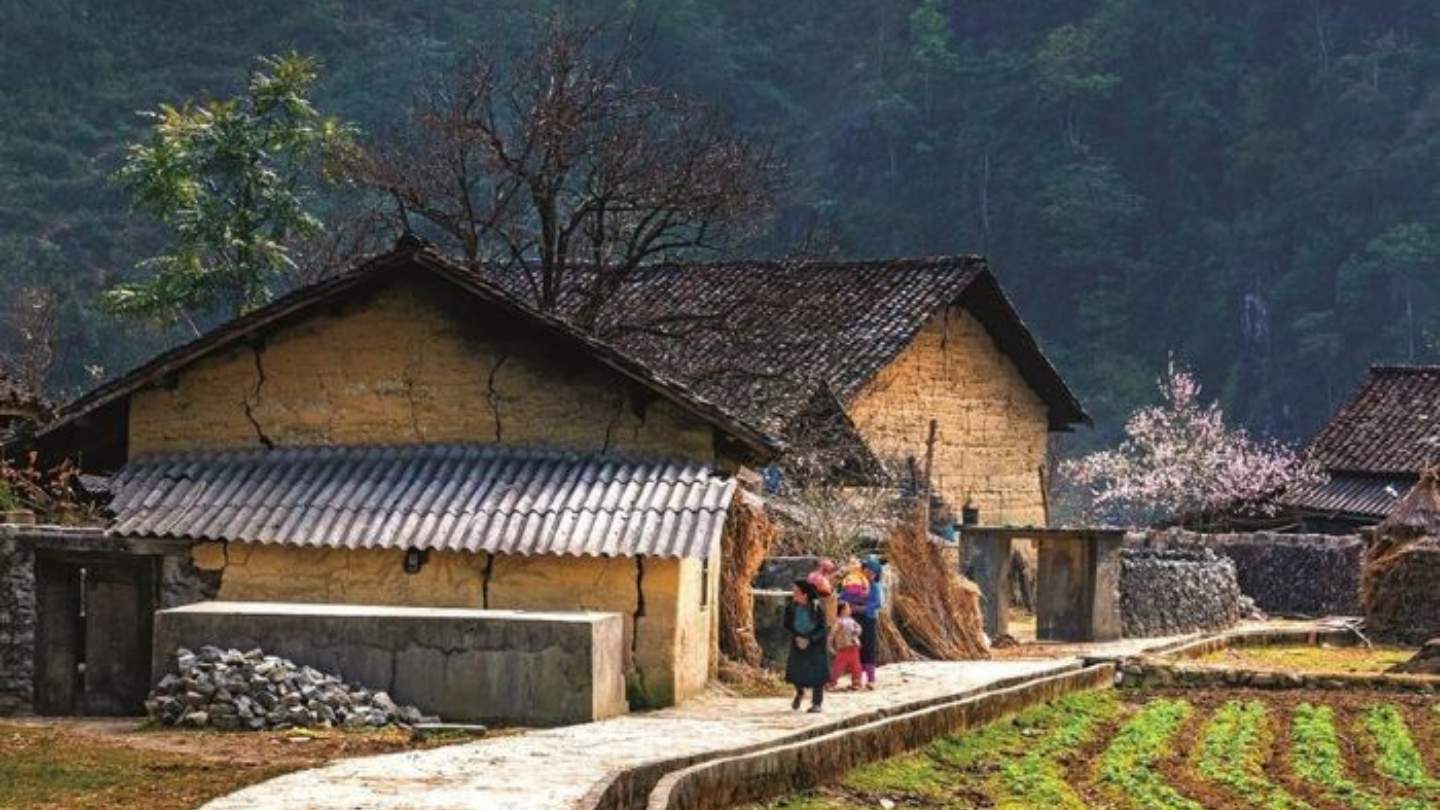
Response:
column 1400, row 583
column 935, row 609
column 745, row 543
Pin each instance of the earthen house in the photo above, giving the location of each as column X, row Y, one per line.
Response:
column 410, row 434
column 406, row 434
column 890, row 344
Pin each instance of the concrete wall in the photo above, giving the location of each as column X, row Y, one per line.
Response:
column 464, row 665
column 409, row 364
column 993, row 430
column 669, row 638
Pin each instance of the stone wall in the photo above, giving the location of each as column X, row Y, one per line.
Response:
column 993, row 428
column 1175, row 591
column 17, row 625
column 669, row 629
column 464, row 665
column 409, row 365
column 1286, row 574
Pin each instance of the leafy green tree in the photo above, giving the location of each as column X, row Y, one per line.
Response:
column 232, row 181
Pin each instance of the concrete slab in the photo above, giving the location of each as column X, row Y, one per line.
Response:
column 557, row 768
column 509, row 666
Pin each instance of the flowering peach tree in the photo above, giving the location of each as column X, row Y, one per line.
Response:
column 1179, row 462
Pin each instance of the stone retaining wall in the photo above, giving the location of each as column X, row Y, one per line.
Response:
column 1286, row 574
column 17, row 626
column 1165, row 592
column 1153, row 674
column 784, row 769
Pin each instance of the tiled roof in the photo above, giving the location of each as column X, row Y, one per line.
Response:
column 490, row 498
column 1391, row 426
column 407, row 257
column 1364, row 496
column 762, row 337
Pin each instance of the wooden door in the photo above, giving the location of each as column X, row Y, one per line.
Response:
column 119, row 612
column 59, row 637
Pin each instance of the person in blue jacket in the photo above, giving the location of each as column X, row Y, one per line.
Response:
column 868, row 616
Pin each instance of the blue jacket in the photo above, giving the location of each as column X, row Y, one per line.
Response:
column 877, row 599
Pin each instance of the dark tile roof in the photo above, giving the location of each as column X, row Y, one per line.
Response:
column 1359, row 496
column 762, row 337
column 490, row 498
column 409, row 256
column 1391, row 426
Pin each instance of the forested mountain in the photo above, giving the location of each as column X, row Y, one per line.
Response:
column 1251, row 186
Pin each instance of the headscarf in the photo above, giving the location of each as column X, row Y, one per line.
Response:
column 810, row 591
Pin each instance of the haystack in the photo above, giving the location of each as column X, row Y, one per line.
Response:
column 935, row 609
column 1401, row 579
column 745, row 543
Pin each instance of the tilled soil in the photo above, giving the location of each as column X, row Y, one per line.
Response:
column 1179, row 765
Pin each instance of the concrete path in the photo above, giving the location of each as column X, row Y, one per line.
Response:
column 555, row 768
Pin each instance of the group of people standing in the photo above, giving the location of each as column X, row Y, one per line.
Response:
column 831, row 620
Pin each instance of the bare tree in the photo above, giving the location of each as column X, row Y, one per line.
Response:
column 33, row 321
column 563, row 164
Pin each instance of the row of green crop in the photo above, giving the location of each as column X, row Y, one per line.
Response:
column 1022, row 762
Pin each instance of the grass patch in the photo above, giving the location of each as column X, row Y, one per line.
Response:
column 1359, row 660
column 1396, row 755
column 1127, row 768
column 1316, row 758
column 42, row 768
column 1232, row 753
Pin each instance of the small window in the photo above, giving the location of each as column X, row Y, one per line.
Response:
column 704, row 582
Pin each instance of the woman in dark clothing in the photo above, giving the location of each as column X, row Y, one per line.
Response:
column 808, row 666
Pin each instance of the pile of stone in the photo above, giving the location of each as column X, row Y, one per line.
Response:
column 1170, row 592
column 232, row 690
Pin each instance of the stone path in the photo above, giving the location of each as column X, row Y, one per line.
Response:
column 555, row 768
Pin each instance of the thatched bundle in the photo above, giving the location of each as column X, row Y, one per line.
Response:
column 1418, row 513
column 935, row 608
column 744, row 545
column 1400, row 583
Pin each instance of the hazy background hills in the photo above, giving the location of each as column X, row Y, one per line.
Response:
column 1251, row 186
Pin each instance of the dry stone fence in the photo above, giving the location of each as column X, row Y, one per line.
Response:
column 1286, row 574
column 1167, row 592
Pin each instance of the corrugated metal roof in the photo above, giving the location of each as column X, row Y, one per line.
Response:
column 491, row 498
column 1370, row 496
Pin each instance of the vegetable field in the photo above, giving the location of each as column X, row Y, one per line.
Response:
column 1182, row 750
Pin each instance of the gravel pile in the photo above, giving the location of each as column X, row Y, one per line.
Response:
column 1170, row 592
column 232, row 690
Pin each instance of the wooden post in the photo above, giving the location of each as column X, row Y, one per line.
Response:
column 929, row 465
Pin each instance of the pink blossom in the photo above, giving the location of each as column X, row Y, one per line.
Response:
column 1179, row 461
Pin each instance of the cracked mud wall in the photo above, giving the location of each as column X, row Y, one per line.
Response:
column 668, row 659
column 407, row 364
column 993, row 431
